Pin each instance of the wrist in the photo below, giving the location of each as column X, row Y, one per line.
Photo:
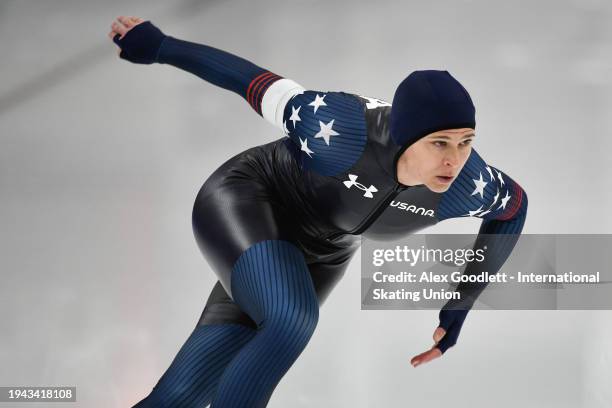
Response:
column 159, row 55
column 142, row 43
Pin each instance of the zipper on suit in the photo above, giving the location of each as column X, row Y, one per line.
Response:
column 379, row 210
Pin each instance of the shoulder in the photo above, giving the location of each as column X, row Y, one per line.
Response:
column 319, row 102
column 483, row 191
column 339, row 106
column 328, row 128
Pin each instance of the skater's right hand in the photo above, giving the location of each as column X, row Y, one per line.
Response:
column 138, row 40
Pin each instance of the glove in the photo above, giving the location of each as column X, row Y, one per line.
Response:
column 451, row 321
column 141, row 44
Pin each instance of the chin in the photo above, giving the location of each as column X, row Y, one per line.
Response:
column 438, row 188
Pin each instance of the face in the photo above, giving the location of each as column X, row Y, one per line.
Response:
column 436, row 159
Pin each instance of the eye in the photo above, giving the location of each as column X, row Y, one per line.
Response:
column 466, row 142
column 439, row 143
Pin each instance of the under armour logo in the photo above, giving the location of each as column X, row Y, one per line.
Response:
column 352, row 181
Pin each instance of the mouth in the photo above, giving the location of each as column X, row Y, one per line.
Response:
column 444, row 179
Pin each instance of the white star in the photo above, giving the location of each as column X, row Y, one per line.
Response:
column 318, row 101
column 326, row 131
column 473, row 213
column 499, row 176
column 295, row 117
column 285, row 128
column 374, row 103
column 490, row 173
column 504, row 201
column 495, row 198
column 480, row 185
column 304, row 147
column 484, row 212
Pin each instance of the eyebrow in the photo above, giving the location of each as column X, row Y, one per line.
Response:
column 448, row 137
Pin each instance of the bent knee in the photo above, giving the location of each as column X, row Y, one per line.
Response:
column 297, row 325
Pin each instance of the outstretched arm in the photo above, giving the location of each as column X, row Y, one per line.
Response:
column 143, row 43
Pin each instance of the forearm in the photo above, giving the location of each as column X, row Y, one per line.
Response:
column 499, row 237
column 233, row 73
column 215, row 66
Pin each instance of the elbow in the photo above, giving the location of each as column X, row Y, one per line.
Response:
column 524, row 203
column 517, row 207
column 520, row 215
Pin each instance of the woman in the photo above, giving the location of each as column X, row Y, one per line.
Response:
column 280, row 222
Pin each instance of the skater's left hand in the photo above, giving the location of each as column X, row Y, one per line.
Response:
column 445, row 336
column 121, row 26
column 139, row 41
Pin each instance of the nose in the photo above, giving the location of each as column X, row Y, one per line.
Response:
column 451, row 159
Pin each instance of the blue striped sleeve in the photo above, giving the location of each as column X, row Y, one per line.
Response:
column 220, row 68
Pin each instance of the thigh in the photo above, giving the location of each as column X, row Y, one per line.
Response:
column 221, row 309
column 234, row 210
